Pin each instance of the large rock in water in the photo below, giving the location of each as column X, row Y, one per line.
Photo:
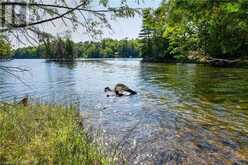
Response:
column 123, row 90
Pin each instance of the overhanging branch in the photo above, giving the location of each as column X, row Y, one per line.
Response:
column 57, row 6
column 40, row 22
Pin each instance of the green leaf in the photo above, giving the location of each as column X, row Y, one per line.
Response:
column 232, row 7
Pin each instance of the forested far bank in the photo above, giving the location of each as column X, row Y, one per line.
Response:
column 67, row 49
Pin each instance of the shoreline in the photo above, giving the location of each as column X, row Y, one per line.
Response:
column 213, row 62
column 222, row 63
column 46, row 134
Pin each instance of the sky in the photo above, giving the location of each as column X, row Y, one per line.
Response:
column 121, row 27
column 128, row 27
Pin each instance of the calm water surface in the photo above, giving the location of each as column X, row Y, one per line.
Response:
column 183, row 113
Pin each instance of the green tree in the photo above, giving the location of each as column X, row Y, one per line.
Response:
column 153, row 45
column 48, row 49
column 216, row 28
column 5, row 48
column 69, row 49
column 59, row 49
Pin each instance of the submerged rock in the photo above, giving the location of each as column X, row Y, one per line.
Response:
column 222, row 62
column 170, row 156
column 207, row 146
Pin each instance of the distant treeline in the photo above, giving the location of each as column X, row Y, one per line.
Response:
column 67, row 49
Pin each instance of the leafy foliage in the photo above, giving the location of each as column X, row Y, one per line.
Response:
column 5, row 48
column 153, row 45
column 214, row 28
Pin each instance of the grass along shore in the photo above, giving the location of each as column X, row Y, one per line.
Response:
column 42, row 134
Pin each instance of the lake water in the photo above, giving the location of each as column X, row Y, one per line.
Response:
column 183, row 113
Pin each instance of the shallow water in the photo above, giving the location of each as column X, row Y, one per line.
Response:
column 183, row 113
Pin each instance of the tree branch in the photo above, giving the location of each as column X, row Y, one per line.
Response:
column 58, row 6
